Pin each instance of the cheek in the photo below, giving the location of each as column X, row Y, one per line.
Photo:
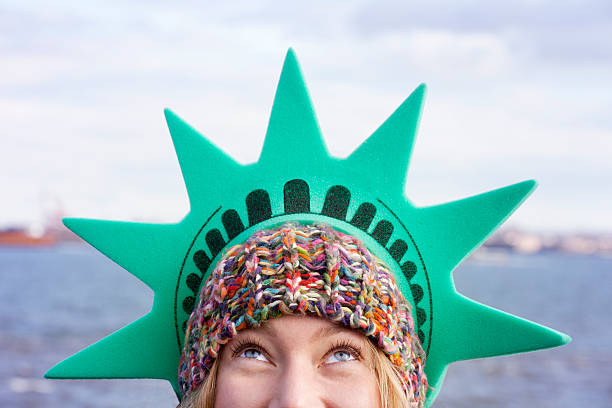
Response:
column 251, row 386
column 355, row 388
column 234, row 388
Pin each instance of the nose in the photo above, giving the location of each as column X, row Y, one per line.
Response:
column 297, row 387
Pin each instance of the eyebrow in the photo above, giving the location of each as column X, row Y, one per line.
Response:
column 327, row 331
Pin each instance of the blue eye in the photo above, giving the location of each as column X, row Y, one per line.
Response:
column 339, row 356
column 254, row 354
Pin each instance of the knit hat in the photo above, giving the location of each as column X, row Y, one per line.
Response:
column 302, row 269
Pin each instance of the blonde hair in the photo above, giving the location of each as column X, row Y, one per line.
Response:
column 389, row 381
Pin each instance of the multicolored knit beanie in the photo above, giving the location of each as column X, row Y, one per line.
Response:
column 302, row 269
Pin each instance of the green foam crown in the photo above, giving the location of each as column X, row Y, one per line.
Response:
column 296, row 179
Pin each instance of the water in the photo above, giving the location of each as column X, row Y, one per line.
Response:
column 567, row 292
column 53, row 302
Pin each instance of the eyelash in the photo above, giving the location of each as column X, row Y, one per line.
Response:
column 345, row 345
column 246, row 344
column 340, row 345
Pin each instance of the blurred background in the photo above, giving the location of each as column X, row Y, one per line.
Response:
column 516, row 91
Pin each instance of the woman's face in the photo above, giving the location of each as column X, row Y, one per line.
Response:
column 294, row 362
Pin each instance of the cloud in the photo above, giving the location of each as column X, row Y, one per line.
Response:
column 515, row 91
column 568, row 32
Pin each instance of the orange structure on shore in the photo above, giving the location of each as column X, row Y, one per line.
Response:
column 21, row 237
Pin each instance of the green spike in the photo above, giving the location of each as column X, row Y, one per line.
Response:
column 293, row 124
column 387, row 151
column 465, row 224
column 145, row 250
column 481, row 331
column 435, row 378
column 205, row 167
column 144, row 349
column 462, row 226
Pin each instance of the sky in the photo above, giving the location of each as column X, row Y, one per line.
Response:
column 516, row 91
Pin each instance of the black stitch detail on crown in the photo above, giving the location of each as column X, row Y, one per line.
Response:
column 215, row 241
column 188, row 304
column 421, row 336
column 421, row 316
column 382, row 232
column 404, row 270
column 336, row 202
column 297, row 197
column 398, row 249
column 409, row 269
column 417, row 293
column 202, row 261
column 364, row 216
column 232, row 223
column 193, row 282
column 184, row 326
column 258, row 206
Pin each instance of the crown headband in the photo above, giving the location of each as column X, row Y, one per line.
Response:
column 296, row 179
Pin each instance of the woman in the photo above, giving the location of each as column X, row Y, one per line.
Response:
column 301, row 316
